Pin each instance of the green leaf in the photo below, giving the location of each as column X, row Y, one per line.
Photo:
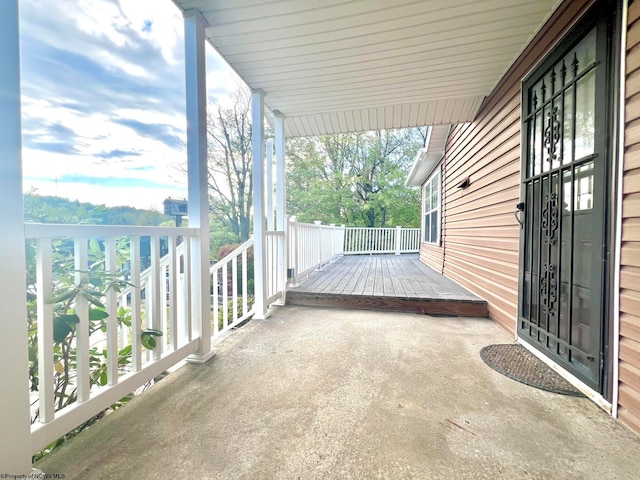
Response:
column 148, row 341
column 94, row 247
column 152, row 331
column 125, row 352
column 89, row 292
column 60, row 330
column 97, row 314
column 63, row 297
column 147, row 337
column 103, row 378
column 95, row 301
column 69, row 318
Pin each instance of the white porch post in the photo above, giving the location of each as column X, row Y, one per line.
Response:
column 281, row 204
column 259, row 250
column 196, row 89
column 15, row 436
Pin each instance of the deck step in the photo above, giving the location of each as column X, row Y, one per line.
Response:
column 424, row 306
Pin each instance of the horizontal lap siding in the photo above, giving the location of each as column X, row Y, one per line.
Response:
column 480, row 233
column 432, row 255
column 629, row 398
column 477, row 256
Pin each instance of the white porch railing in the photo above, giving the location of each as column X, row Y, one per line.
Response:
column 232, row 281
column 362, row 240
column 160, row 301
column 312, row 245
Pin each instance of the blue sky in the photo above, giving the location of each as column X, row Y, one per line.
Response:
column 103, row 99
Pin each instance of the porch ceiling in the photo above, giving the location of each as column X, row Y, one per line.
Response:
column 333, row 66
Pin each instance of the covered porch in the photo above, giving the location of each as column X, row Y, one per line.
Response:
column 363, row 394
column 327, row 393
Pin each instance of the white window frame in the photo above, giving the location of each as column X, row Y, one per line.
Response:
column 435, row 180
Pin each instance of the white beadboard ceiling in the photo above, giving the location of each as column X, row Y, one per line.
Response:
column 333, row 66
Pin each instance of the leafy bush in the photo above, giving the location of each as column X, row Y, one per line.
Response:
column 92, row 285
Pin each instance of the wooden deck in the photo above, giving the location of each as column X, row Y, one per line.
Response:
column 386, row 282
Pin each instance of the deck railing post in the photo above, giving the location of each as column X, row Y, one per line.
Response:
column 333, row 241
column 398, row 240
column 294, row 248
column 15, row 440
column 319, row 246
column 196, row 101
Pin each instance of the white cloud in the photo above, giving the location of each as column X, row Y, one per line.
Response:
column 103, row 99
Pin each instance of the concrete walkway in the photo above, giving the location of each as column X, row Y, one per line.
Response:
column 322, row 393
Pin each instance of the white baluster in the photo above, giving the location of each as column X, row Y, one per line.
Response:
column 111, row 302
column 82, row 327
column 45, row 330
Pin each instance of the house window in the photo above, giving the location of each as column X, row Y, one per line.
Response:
column 431, row 209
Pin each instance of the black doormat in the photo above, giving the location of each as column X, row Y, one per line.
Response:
column 516, row 362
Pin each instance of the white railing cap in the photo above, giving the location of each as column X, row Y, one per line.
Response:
column 45, row 230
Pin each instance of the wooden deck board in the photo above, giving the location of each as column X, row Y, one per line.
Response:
column 343, row 284
column 323, row 283
column 394, row 280
column 388, row 282
column 406, row 287
column 388, row 278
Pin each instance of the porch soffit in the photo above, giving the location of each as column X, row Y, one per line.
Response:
column 334, row 66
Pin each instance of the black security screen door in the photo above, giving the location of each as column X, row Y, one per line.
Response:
column 564, row 182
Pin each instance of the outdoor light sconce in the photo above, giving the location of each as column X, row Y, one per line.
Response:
column 519, row 209
column 465, row 183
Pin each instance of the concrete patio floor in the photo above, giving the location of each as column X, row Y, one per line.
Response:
column 325, row 393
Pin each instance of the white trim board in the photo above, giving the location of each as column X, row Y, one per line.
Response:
column 569, row 377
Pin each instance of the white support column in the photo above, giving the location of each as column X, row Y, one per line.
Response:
column 15, row 436
column 281, row 205
column 269, row 186
column 281, row 186
column 259, row 250
column 196, row 89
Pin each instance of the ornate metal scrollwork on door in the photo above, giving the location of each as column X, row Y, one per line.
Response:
column 553, row 290
column 549, row 288
column 552, row 134
column 549, row 222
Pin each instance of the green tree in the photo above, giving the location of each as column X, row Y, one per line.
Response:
column 229, row 162
column 50, row 209
column 355, row 179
